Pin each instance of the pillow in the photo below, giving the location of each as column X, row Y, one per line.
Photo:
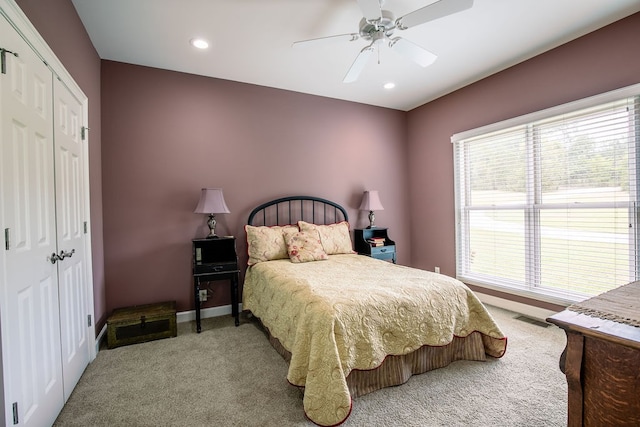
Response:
column 335, row 238
column 304, row 246
column 266, row 243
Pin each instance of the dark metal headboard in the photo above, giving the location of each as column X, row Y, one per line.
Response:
column 290, row 210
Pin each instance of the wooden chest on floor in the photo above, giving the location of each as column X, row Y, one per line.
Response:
column 141, row 323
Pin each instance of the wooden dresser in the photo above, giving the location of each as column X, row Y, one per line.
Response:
column 602, row 358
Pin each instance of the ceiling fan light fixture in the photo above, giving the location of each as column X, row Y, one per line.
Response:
column 199, row 43
column 389, row 85
column 378, row 37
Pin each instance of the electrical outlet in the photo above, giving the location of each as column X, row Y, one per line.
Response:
column 203, row 295
column 437, row 269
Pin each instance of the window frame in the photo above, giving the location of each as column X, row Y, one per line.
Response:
column 529, row 207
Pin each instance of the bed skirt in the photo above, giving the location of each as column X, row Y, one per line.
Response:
column 396, row 370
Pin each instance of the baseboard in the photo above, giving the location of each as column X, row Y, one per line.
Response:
column 188, row 316
column 518, row 307
column 100, row 337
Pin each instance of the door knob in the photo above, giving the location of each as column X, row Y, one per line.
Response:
column 64, row 254
column 55, row 257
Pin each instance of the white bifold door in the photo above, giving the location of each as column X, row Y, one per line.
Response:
column 70, row 236
column 46, row 332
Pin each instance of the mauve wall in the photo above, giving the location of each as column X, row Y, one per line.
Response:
column 604, row 60
column 167, row 134
column 59, row 24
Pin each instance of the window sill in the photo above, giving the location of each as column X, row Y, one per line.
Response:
column 536, row 299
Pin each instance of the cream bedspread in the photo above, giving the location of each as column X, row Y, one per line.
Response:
column 351, row 311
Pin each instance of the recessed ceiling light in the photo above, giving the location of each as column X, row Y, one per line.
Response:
column 199, row 43
column 389, row 85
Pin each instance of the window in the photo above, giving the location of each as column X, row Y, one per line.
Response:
column 546, row 203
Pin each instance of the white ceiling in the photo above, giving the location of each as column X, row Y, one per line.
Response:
column 250, row 41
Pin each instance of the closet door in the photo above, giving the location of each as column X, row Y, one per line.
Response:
column 74, row 328
column 29, row 305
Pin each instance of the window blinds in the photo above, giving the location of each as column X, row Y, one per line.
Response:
column 548, row 206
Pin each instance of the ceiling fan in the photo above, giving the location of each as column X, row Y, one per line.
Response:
column 378, row 25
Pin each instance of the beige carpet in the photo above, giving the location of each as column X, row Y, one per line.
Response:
column 228, row 376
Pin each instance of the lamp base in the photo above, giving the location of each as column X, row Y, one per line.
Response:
column 211, row 222
column 372, row 219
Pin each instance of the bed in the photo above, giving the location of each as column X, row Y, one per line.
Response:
column 349, row 324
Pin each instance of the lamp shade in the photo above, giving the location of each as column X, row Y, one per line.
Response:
column 211, row 202
column 371, row 201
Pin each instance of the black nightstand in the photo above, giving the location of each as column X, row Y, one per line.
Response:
column 213, row 260
column 363, row 247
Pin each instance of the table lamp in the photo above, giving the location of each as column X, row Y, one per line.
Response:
column 371, row 202
column 212, row 203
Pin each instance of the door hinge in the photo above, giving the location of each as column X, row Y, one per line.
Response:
column 7, row 244
column 3, row 59
column 83, row 132
column 85, row 227
column 88, row 320
column 15, row 412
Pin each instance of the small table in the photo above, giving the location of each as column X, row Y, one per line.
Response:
column 363, row 238
column 215, row 259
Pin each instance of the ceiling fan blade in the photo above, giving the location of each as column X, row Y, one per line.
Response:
column 434, row 11
column 358, row 65
column 370, row 9
column 325, row 40
column 412, row 51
